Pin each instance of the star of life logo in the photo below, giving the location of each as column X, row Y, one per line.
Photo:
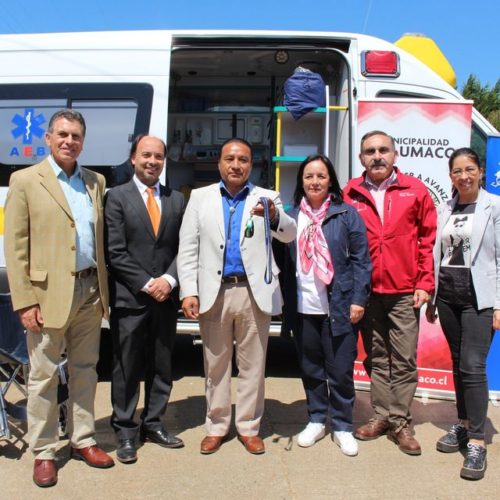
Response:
column 28, row 128
column 496, row 179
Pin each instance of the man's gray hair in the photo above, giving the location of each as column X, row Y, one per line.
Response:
column 70, row 115
column 376, row 132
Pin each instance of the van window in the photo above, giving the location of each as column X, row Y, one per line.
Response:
column 110, row 130
column 478, row 143
column 394, row 94
column 24, row 123
column 114, row 115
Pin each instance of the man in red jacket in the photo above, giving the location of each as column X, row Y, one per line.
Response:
column 401, row 222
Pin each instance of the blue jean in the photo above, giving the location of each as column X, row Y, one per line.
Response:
column 469, row 334
column 327, row 364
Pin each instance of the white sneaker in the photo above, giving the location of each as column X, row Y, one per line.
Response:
column 312, row 433
column 348, row 445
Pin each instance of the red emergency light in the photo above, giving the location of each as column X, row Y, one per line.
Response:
column 380, row 63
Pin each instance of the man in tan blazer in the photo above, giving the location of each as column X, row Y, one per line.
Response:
column 222, row 265
column 58, row 281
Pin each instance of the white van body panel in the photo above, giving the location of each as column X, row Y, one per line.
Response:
column 145, row 57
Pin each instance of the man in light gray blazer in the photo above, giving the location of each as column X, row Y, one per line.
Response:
column 222, row 265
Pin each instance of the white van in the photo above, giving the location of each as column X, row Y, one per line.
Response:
column 196, row 89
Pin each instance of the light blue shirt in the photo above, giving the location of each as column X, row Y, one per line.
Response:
column 81, row 208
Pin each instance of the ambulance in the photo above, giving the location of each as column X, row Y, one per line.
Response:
column 195, row 89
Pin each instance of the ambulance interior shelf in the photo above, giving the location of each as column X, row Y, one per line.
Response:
column 297, row 139
column 195, row 138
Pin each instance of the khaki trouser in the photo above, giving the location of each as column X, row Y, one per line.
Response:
column 390, row 335
column 80, row 336
column 234, row 317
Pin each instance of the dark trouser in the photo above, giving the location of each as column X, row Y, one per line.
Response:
column 327, row 364
column 469, row 334
column 390, row 333
column 142, row 345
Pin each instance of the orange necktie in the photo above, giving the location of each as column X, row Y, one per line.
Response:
column 153, row 210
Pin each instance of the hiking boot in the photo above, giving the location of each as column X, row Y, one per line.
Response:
column 405, row 440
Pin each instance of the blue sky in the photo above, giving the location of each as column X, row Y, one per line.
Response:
column 466, row 31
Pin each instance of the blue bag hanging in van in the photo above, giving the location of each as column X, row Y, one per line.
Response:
column 304, row 91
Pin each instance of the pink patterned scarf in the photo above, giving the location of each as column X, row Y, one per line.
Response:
column 313, row 248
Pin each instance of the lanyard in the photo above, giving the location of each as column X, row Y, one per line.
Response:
column 268, row 275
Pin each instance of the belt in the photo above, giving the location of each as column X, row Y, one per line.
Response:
column 84, row 273
column 234, row 279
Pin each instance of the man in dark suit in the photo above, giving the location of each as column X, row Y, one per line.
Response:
column 143, row 219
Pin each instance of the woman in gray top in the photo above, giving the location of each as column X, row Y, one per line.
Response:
column 467, row 298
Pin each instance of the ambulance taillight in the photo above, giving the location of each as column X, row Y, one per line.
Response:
column 380, row 63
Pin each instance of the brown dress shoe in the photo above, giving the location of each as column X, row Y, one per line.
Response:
column 210, row 444
column 253, row 444
column 372, row 430
column 93, row 456
column 44, row 473
column 405, row 440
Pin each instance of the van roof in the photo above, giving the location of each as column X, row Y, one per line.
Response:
column 152, row 38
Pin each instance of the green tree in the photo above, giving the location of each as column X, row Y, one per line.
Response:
column 486, row 99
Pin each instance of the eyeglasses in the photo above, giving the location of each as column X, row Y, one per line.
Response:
column 383, row 150
column 458, row 172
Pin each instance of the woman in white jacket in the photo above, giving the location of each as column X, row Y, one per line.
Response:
column 467, row 298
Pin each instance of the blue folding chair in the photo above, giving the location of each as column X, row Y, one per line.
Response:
column 14, row 363
column 14, row 369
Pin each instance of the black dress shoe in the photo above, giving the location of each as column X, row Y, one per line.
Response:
column 126, row 452
column 161, row 437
